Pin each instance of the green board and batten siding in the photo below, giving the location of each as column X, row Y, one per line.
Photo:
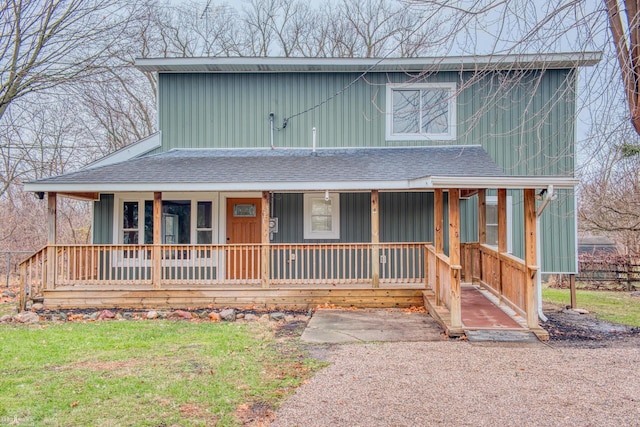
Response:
column 524, row 120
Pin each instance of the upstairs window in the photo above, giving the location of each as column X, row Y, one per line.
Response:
column 424, row 111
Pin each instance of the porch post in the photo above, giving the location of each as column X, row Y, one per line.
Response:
column 438, row 235
column 482, row 216
column 454, row 257
column 265, row 259
column 156, row 275
column 375, row 240
column 52, row 221
column 502, row 232
column 482, row 227
column 530, row 257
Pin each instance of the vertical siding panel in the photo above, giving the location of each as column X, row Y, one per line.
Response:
column 103, row 220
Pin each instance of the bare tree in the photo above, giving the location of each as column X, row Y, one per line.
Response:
column 44, row 44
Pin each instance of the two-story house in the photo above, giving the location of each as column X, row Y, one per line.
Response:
column 302, row 181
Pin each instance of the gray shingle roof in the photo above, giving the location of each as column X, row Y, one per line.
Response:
column 291, row 165
column 289, row 170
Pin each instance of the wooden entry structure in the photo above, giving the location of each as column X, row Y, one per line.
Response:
column 193, row 271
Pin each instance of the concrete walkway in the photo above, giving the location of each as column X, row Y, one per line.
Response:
column 364, row 325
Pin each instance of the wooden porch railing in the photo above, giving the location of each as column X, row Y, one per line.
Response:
column 501, row 273
column 289, row 264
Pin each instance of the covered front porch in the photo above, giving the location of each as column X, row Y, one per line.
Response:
column 296, row 275
column 232, row 259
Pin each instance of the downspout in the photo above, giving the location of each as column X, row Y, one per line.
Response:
column 545, row 202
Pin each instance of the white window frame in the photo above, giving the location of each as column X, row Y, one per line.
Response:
column 140, row 198
column 452, row 106
column 493, row 201
column 335, row 216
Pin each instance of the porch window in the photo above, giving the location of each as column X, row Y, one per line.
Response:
column 321, row 216
column 204, row 230
column 131, row 223
column 424, row 111
column 183, row 222
column 492, row 222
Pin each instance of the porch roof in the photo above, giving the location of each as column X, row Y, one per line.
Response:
column 263, row 169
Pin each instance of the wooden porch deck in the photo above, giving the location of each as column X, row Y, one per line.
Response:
column 182, row 296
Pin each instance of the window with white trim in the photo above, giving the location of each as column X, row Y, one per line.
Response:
column 321, row 216
column 183, row 222
column 425, row 111
column 492, row 222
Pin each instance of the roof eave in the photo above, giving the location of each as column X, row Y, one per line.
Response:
column 446, row 63
column 424, row 183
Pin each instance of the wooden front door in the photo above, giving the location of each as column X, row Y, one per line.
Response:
column 243, row 226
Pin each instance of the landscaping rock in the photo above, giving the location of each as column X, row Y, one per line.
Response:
column 27, row 317
column 8, row 294
column 228, row 314
column 180, row 315
column 28, row 305
column 277, row 316
column 580, row 311
column 250, row 317
column 63, row 316
column 106, row 315
column 119, row 316
column 6, row 318
column 240, row 316
column 215, row 317
column 203, row 315
column 127, row 315
column 37, row 306
column 635, row 294
column 152, row 315
column 264, row 318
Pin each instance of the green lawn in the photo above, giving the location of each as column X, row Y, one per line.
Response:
column 144, row 373
column 617, row 307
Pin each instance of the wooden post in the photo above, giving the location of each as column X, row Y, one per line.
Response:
column 502, row 233
column 454, row 257
column 23, row 288
column 51, row 240
column 265, row 259
column 438, row 236
column 530, row 257
column 482, row 228
column 572, row 290
column 156, row 275
column 438, row 221
column 375, row 239
column 482, row 216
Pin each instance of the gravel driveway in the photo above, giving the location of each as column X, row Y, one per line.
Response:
column 456, row 383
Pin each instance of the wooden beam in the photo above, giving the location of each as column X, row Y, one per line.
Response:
column 468, row 192
column 502, row 220
column 482, row 216
column 438, row 220
column 52, row 221
column 81, row 196
column 454, row 257
column 156, row 275
column 530, row 257
column 502, row 232
column 264, row 258
column 375, row 239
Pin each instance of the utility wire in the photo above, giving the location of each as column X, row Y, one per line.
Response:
column 360, row 77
